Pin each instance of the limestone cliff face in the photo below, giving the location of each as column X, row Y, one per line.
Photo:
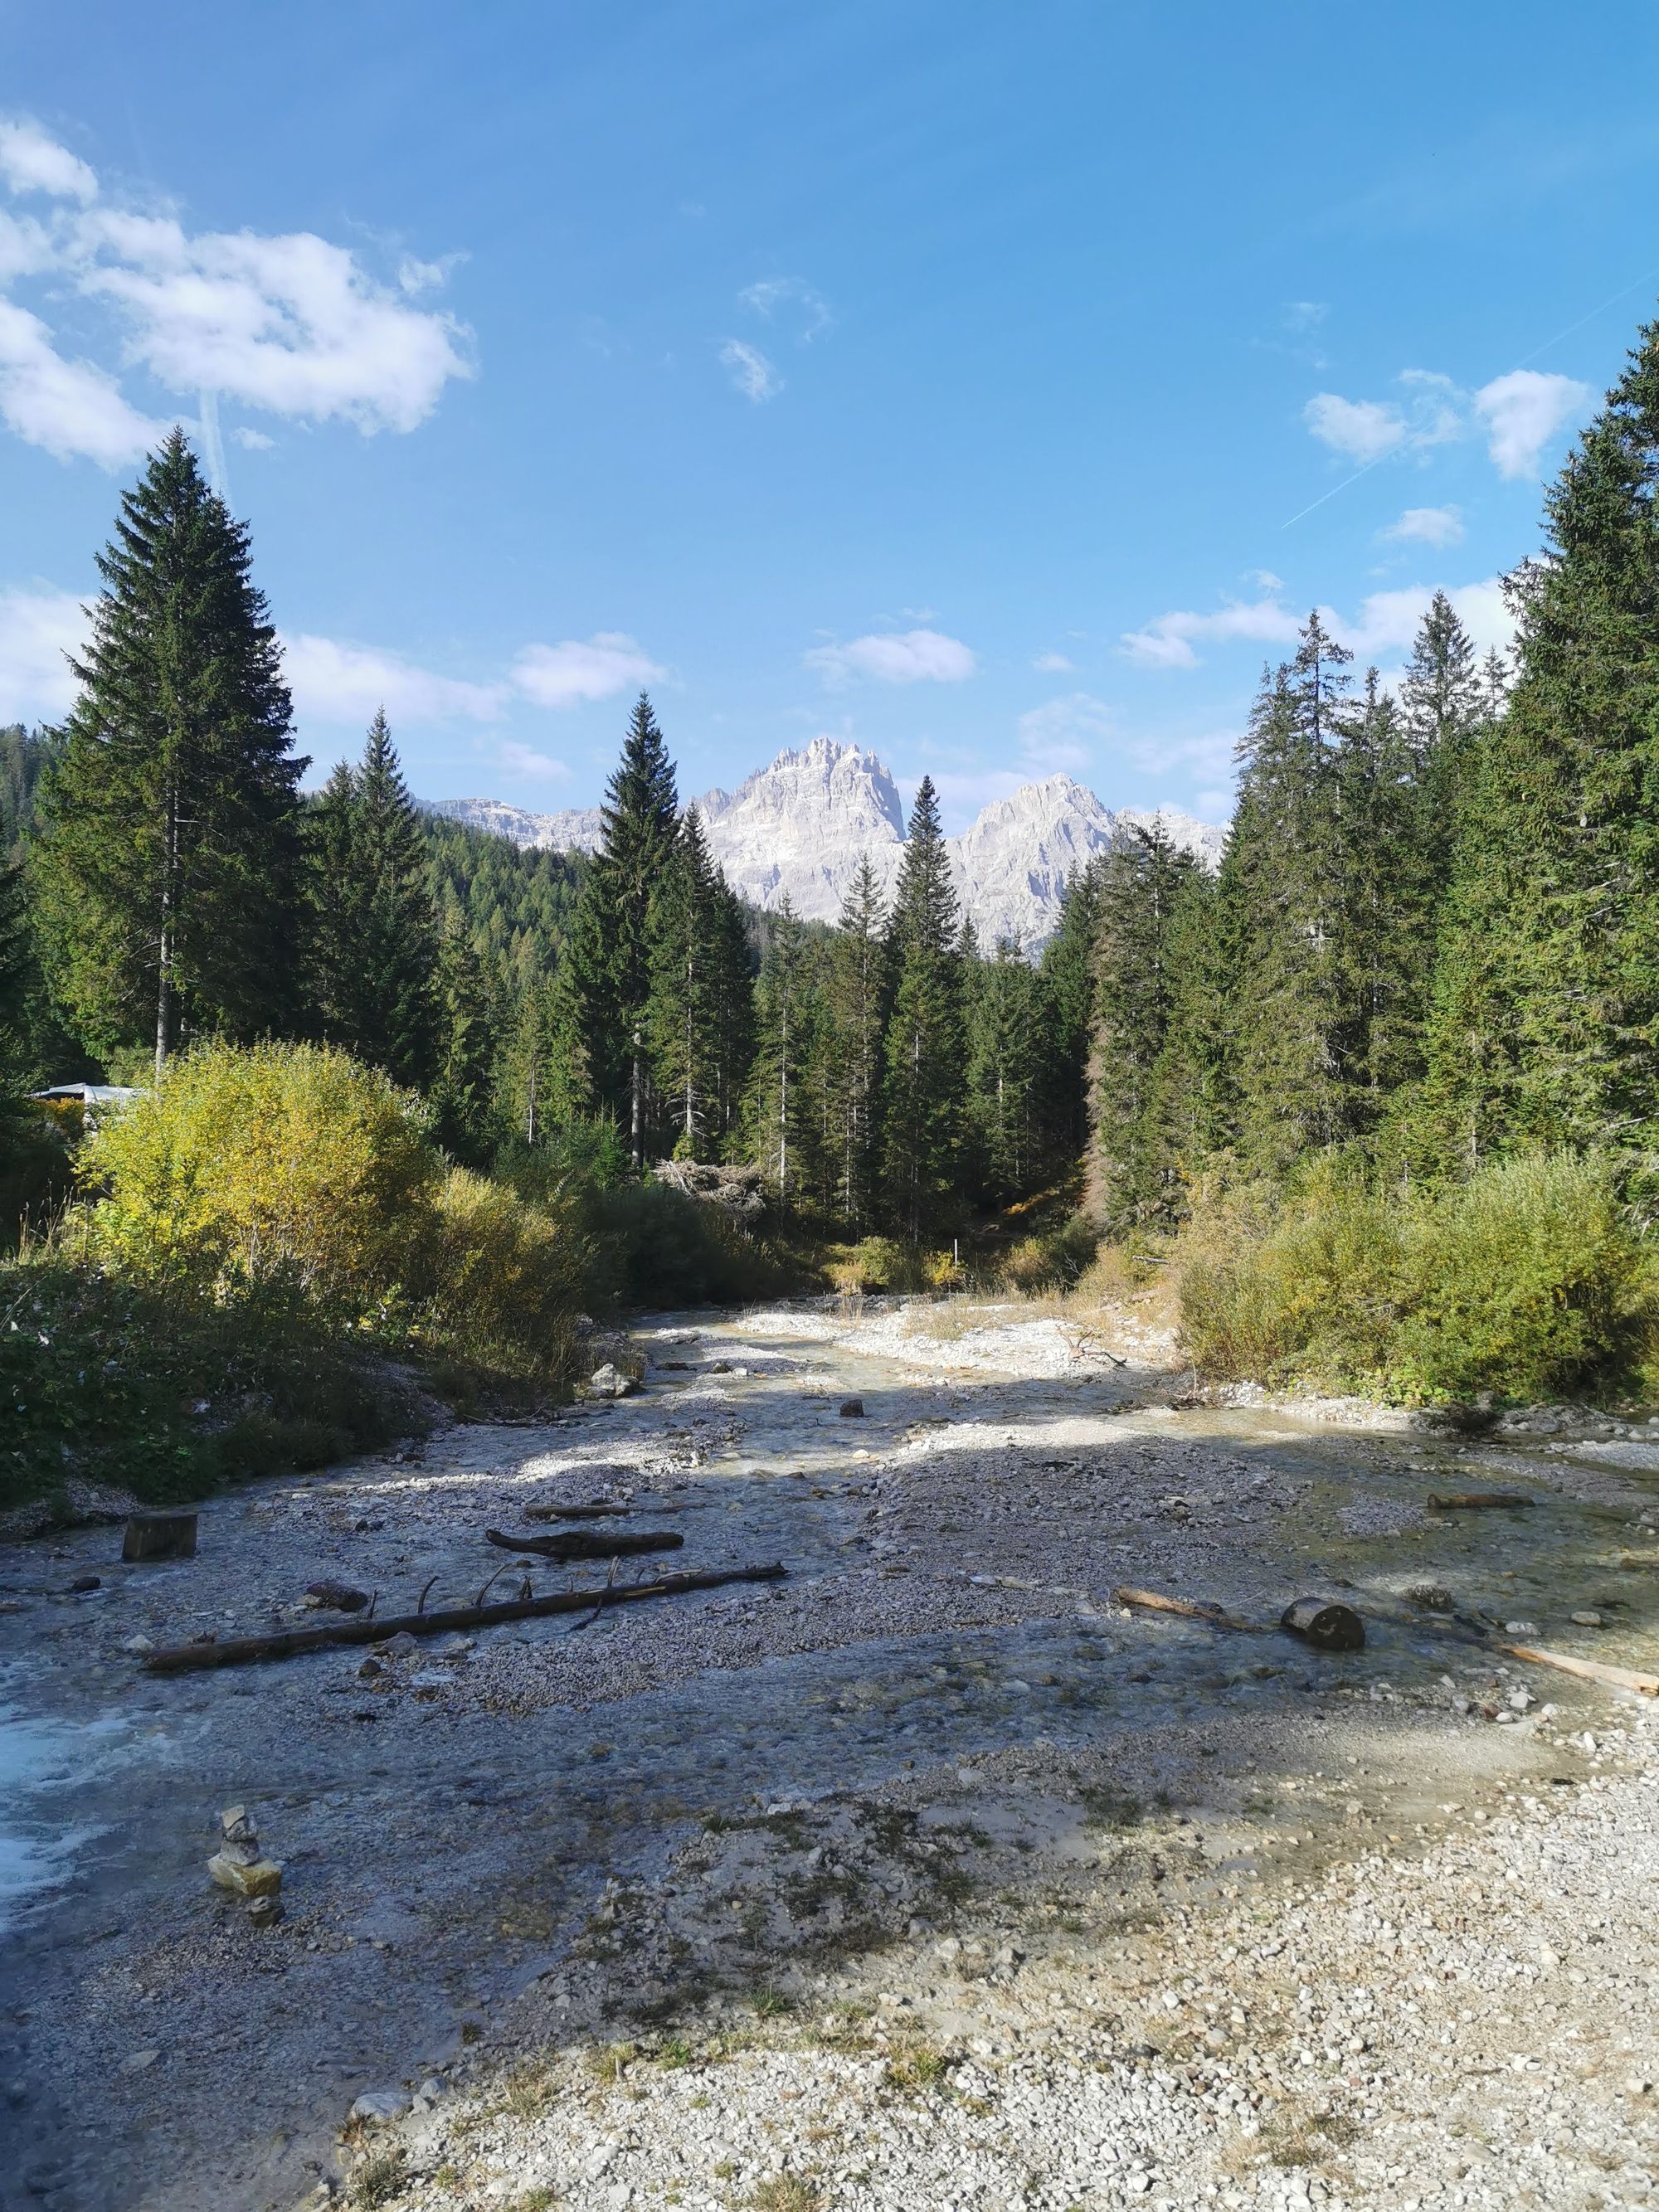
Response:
column 802, row 825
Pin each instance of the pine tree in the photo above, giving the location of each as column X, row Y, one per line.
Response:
column 856, row 1009
column 1068, row 971
column 611, row 959
column 1142, row 888
column 734, row 1017
column 1546, row 1002
column 1282, row 877
column 1444, row 700
column 373, row 937
column 1391, row 847
column 462, row 1093
column 169, row 869
column 1004, row 1073
column 923, row 1074
column 684, row 1014
column 782, row 1112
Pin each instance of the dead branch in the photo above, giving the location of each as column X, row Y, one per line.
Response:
column 1471, row 1501
column 237, row 1650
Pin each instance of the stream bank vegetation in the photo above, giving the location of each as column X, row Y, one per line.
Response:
column 1374, row 1105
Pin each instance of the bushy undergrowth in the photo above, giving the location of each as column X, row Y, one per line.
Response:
column 165, row 1394
column 1526, row 1282
column 263, row 1242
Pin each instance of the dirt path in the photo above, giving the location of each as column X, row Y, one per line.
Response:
column 912, row 1881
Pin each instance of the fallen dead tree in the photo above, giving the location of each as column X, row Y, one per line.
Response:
column 287, row 1644
column 1475, row 1501
column 1213, row 1616
column 589, row 1543
column 1592, row 1671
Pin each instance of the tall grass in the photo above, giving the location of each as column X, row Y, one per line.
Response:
column 1528, row 1281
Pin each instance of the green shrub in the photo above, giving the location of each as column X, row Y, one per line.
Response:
column 278, row 1165
column 164, row 1393
column 1526, row 1282
column 498, row 1278
column 1052, row 1260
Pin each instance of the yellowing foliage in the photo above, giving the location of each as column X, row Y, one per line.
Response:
column 280, row 1165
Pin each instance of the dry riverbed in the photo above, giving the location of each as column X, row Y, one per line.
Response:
column 927, row 1876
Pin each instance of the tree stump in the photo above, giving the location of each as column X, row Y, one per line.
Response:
column 161, row 1536
column 1326, row 1624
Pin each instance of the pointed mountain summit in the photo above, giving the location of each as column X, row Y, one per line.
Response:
column 800, row 827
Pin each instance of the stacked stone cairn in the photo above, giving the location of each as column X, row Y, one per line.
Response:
column 239, row 1865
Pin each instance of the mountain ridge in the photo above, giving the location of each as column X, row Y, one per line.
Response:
column 800, row 825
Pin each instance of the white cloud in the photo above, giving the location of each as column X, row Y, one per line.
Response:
column 69, row 407
column 1305, row 314
column 773, row 294
column 566, row 674
column 30, row 162
column 752, row 374
column 336, row 682
column 1363, row 429
column 1426, row 525
column 1387, row 621
column 915, row 656
column 1053, row 664
column 1522, row 412
column 1167, row 641
column 1264, row 580
column 255, row 441
column 523, row 759
column 292, row 324
column 37, row 629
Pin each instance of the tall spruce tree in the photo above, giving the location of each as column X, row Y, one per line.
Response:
column 1004, row 1072
column 1545, row 1027
column 923, row 1074
column 783, row 1120
column 168, row 872
column 856, row 1010
column 373, row 935
column 463, row 1089
column 1391, row 844
column 1282, row 876
column 1142, row 888
column 612, row 956
column 686, row 1005
column 1068, row 971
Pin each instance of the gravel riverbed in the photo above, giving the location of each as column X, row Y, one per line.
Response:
column 927, row 1875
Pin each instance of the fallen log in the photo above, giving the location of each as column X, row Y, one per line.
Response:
column 589, row 1543
column 1472, row 1501
column 1325, row 1623
column 237, row 1650
column 1204, row 1609
column 1592, row 1671
column 577, row 1512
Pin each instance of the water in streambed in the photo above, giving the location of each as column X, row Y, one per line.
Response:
column 950, row 1553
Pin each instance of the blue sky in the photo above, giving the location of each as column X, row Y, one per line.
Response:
column 994, row 385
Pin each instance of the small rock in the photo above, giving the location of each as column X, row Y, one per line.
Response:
column 337, row 1597
column 265, row 1911
column 432, row 2088
column 1520, row 1628
column 84, row 1584
column 852, row 1409
column 403, row 1646
column 381, row 2104
column 260, row 1878
column 1588, row 1619
column 372, row 1670
column 136, row 2061
column 610, row 1382
column 137, row 1643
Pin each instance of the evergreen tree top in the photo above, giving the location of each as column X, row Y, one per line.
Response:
column 640, row 801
